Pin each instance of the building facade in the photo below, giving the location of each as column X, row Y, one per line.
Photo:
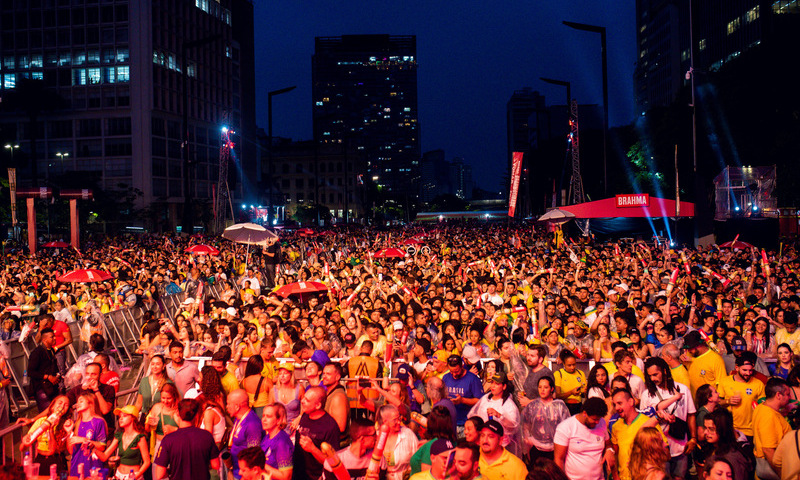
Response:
column 722, row 31
column 309, row 174
column 364, row 93
column 117, row 66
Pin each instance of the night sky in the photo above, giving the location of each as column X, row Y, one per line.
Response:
column 471, row 54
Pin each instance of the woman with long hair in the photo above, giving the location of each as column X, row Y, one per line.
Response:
column 785, row 363
column 717, row 468
column 721, row 440
column 89, row 435
column 439, row 425
column 51, row 442
column 540, row 419
column 490, row 369
column 602, row 344
column 276, row 442
column 150, row 387
column 499, row 404
column 287, row 391
column 649, row 455
column 129, row 448
column 760, row 341
column 163, row 417
column 257, row 386
column 212, row 399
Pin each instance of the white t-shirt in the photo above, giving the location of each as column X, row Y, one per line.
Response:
column 681, row 409
column 585, row 448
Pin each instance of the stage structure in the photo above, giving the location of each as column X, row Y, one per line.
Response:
column 746, row 192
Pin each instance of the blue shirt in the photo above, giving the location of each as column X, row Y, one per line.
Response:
column 247, row 432
column 278, row 450
column 468, row 386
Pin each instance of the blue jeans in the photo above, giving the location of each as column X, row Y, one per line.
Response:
column 678, row 466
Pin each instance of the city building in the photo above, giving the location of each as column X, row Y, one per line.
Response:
column 364, row 93
column 440, row 177
column 118, row 68
column 324, row 175
column 723, row 30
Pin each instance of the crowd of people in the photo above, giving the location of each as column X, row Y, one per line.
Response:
column 491, row 351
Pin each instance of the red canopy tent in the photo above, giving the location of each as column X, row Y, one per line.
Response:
column 630, row 206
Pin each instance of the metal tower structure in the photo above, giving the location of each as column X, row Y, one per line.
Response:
column 576, row 183
column 223, row 191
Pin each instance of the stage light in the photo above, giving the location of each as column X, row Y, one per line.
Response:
column 224, row 129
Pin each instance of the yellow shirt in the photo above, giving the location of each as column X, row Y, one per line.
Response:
column 770, row 427
column 507, row 467
column 622, row 436
column 229, row 383
column 750, row 392
column 43, row 441
column 569, row 381
column 680, row 375
column 707, row 368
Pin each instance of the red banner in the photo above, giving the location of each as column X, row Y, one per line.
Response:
column 516, row 169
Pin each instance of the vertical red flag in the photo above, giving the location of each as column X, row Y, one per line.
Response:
column 516, row 169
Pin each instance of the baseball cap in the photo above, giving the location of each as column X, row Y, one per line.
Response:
column 612, row 292
column 403, row 372
column 231, row 311
column 440, row 446
column 623, row 287
column 581, row 324
column 692, row 339
column 494, row 427
column 321, row 357
column 129, row 409
column 398, row 325
column 286, row 366
column 738, row 343
column 499, row 377
column 349, row 338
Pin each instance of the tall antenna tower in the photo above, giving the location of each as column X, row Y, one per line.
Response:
column 576, row 183
column 223, row 191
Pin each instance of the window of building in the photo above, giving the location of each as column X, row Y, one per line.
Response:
column 119, row 147
column 59, row 129
column 122, row 55
column 299, row 183
column 118, row 126
column 89, row 148
column 109, row 74
column 786, row 6
column 734, row 25
column 702, row 44
column 78, row 76
column 93, row 57
column 93, row 76
column 123, row 74
column 752, row 14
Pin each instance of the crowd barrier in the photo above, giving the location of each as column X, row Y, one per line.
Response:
column 121, row 329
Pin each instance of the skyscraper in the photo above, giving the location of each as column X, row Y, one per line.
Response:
column 364, row 93
column 118, row 67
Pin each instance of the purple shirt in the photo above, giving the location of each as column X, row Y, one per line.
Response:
column 278, row 450
column 95, row 430
column 247, row 432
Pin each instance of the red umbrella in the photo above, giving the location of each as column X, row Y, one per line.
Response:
column 306, row 232
column 736, row 244
column 301, row 288
column 202, row 250
column 56, row 245
column 85, row 275
column 412, row 241
column 390, row 253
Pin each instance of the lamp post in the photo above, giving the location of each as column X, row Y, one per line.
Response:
column 269, row 151
column 603, row 52
column 11, row 149
column 188, row 212
column 562, row 83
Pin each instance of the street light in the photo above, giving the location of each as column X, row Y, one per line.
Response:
column 269, row 152
column 562, row 83
column 61, row 157
column 603, row 52
column 188, row 212
column 11, row 148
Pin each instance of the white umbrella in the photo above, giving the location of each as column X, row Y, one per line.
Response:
column 557, row 216
column 248, row 233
